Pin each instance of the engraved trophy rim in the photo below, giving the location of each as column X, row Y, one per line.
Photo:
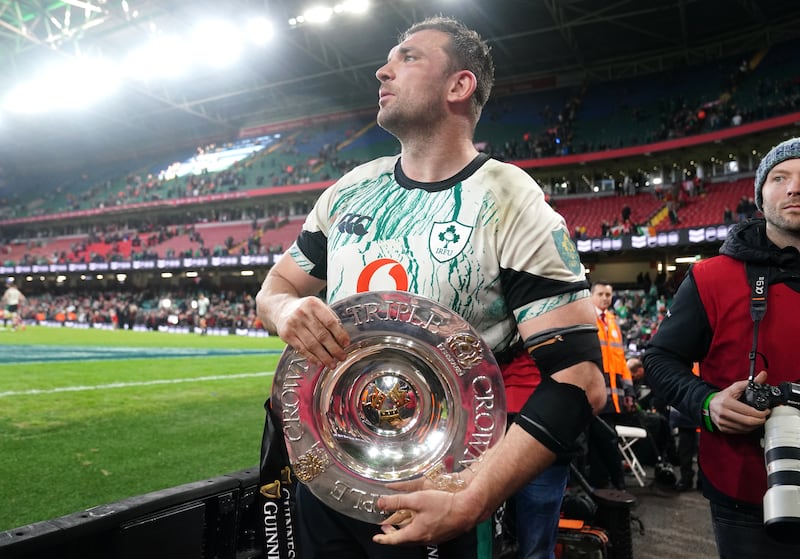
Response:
column 418, row 394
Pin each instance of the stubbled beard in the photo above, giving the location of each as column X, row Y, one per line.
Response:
column 789, row 226
column 399, row 122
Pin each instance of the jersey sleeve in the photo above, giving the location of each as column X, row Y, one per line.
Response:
column 540, row 268
column 310, row 249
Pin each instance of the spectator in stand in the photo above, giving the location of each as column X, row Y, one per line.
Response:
column 742, row 209
column 750, row 208
column 673, row 213
column 727, row 215
column 626, row 213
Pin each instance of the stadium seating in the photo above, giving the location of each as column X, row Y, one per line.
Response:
column 43, row 249
column 607, row 115
column 708, row 208
column 283, row 236
column 591, row 212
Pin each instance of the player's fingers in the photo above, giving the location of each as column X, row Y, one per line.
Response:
column 391, row 503
column 399, row 518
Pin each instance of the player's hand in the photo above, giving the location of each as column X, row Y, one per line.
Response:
column 731, row 415
column 314, row 331
column 426, row 517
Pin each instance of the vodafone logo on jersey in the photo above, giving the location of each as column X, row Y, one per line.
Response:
column 384, row 274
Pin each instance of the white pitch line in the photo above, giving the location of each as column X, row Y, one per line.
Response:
column 36, row 391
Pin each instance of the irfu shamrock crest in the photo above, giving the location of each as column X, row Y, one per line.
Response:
column 448, row 240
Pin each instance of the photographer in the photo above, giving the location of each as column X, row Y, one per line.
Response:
column 710, row 321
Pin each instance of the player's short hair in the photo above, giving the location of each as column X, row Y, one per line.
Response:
column 467, row 51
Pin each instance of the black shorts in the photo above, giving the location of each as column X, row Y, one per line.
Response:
column 326, row 533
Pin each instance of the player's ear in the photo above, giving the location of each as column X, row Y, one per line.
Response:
column 462, row 85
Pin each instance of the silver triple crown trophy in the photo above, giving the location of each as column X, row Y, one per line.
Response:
column 419, row 398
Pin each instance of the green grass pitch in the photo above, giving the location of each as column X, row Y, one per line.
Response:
column 89, row 417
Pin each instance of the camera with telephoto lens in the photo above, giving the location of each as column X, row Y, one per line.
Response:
column 766, row 396
column 781, row 455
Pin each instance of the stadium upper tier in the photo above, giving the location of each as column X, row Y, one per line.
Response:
column 526, row 128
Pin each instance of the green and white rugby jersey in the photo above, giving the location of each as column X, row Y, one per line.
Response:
column 484, row 243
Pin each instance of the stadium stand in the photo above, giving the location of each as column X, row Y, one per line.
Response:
column 280, row 238
column 227, row 235
column 519, row 126
column 708, row 208
column 592, row 212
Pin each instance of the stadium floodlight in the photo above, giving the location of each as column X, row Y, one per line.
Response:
column 73, row 84
column 352, row 6
column 161, row 57
column 318, row 14
column 216, row 43
column 259, row 30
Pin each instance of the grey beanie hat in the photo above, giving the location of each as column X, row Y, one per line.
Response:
column 790, row 149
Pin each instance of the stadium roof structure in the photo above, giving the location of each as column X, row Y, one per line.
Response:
column 310, row 70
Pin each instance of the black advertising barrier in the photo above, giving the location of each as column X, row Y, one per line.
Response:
column 686, row 237
column 207, row 518
column 277, row 493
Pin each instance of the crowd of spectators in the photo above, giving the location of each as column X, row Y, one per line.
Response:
column 555, row 134
column 639, row 309
column 228, row 311
column 114, row 243
column 290, row 161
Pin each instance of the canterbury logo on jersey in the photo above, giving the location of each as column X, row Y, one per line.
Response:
column 354, row 224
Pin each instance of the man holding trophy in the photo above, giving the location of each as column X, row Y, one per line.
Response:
column 469, row 239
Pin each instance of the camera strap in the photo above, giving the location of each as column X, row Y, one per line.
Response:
column 758, row 278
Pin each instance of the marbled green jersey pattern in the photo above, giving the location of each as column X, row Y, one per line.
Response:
column 484, row 243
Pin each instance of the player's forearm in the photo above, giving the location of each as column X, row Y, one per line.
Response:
column 272, row 300
column 516, row 460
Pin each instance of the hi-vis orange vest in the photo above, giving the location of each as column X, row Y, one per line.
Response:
column 619, row 381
